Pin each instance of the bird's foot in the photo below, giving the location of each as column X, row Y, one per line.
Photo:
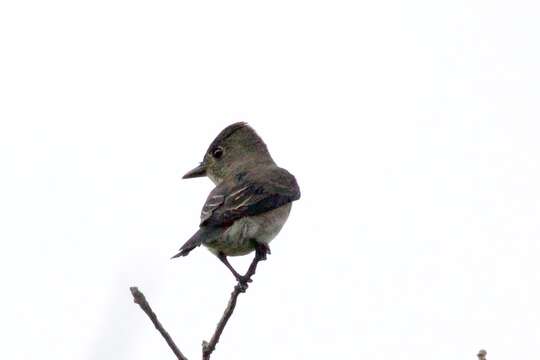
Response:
column 243, row 282
column 243, row 279
column 241, row 287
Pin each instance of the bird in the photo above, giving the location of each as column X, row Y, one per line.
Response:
column 251, row 200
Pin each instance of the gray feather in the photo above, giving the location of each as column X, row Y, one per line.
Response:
column 203, row 235
column 252, row 194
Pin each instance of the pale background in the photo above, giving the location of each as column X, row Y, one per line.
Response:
column 412, row 127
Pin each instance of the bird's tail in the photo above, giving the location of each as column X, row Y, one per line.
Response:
column 202, row 235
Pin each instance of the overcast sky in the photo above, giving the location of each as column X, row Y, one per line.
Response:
column 411, row 126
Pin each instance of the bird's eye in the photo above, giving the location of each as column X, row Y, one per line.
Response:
column 217, row 152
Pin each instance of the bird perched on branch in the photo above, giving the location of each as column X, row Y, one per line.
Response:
column 251, row 201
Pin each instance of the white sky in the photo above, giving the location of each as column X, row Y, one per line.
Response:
column 412, row 128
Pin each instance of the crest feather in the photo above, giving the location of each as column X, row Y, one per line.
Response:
column 225, row 133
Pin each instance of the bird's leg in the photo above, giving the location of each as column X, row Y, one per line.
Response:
column 261, row 249
column 238, row 277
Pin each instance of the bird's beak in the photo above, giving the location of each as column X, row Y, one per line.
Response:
column 199, row 171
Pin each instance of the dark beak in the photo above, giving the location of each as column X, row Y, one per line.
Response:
column 199, row 171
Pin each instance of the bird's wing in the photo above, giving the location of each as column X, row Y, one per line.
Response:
column 248, row 195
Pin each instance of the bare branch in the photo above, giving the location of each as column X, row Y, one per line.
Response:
column 138, row 298
column 209, row 347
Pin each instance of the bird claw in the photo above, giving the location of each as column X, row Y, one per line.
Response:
column 242, row 279
column 242, row 287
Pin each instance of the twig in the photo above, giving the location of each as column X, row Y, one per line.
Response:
column 209, row 347
column 138, row 298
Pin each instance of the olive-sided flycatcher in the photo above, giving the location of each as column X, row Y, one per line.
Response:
column 251, row 201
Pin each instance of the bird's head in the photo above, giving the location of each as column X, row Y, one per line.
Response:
column 235, row 149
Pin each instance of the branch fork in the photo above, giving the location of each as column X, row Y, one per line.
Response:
column 208, row 347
